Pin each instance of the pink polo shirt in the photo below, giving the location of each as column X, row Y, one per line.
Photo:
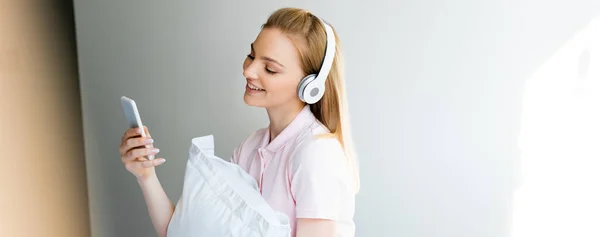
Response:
column 301, row 175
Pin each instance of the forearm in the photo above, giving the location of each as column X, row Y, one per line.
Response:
column 159, row 206
column 307, row 227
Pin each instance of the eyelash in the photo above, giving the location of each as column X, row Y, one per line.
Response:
column 266, row 69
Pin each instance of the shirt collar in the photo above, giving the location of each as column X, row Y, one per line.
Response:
column 298, row 124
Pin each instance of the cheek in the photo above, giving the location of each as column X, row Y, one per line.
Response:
column 280, row 87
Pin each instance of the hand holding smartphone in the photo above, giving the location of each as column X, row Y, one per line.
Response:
column 133, row 117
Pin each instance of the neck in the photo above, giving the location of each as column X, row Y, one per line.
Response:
column 281, row 117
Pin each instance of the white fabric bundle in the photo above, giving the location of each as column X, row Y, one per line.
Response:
column 221, row 199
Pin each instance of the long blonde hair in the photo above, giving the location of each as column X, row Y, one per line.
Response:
column 308, row 34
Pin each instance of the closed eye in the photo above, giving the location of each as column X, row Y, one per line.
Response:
column 269, row 71
column 266, row 68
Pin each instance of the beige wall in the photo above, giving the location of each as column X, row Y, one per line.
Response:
column 42, row 173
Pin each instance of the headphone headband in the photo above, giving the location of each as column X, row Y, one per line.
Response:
column 329, row 53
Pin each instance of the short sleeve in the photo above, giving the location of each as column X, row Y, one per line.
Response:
column 235, row 157
column 246, row 144
column 319, row 179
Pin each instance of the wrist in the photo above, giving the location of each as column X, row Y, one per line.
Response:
column 143, row 179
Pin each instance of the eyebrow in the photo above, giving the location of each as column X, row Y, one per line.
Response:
column 266, row 58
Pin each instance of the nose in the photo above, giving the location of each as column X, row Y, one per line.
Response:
column 250, row 71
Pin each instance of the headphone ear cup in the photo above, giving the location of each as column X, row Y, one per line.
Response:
column 313, row 92
column 303, row 94
column 309, row 90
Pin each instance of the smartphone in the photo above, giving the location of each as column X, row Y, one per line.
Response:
column 133, row 117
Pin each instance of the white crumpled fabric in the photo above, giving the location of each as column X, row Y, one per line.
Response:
column 221, row 199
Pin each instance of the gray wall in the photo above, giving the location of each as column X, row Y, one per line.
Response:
column 435, row 91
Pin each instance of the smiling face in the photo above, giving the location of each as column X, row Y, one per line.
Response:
column 272, row 71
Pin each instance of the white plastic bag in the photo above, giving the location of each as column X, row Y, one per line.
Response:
column 221, row 199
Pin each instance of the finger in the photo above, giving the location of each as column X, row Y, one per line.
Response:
column 152, row 163
column 139, row 152
column 145, row 164
column 134, row 132
column 138, row 142
column 128, row 134
column 133, row 143
column 141, row 158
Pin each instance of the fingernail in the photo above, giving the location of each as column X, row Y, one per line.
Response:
column 161, row 160
column 139, row 130
column 155, row 150
column 148, row 141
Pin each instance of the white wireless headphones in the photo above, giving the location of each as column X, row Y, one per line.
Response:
column 312, row 87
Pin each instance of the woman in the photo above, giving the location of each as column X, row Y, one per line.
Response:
column 303, row 161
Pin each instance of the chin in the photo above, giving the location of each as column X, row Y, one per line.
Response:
column 254, row 102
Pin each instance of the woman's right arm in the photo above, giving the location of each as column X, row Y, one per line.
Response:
column 134, row 150
column 159, row 206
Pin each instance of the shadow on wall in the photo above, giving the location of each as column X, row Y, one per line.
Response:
column 560, row 143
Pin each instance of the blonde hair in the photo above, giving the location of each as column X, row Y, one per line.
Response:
column 308, row 34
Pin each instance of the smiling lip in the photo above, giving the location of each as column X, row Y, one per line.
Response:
column 248, row 84
column 252, row 91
